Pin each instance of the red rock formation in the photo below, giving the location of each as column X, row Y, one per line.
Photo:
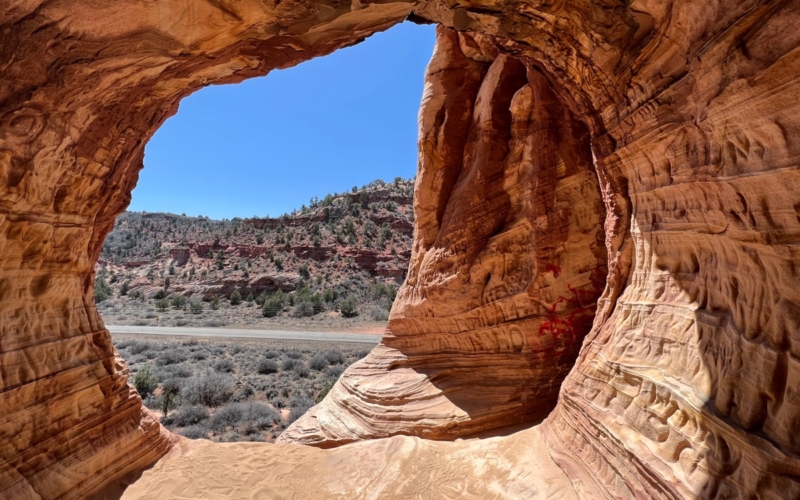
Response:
column 684, row 386
column 507, row 267
column 83, row 87
column 180, row 255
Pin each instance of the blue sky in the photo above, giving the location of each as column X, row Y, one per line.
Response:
column 267, row 145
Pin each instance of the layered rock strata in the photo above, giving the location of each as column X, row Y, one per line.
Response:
column 508, row 263
column 83, row 87
column 685, row 385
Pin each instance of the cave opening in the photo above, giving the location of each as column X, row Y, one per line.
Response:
column 266, row 145
column 693, row 117
column 534, row 257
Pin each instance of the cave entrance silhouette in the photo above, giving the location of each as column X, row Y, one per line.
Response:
column 693, row 116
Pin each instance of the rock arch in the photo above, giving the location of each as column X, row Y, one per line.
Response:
column 685, row 385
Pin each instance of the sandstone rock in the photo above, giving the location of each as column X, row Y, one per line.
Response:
column 685, row 385
column 500, row 296
column 180, row 255
column 83, row 87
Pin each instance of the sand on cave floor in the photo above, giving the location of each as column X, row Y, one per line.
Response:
column 510, row 467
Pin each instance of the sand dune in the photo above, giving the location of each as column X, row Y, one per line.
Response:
column 511, row 467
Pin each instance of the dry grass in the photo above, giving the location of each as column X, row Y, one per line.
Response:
column 235, row 389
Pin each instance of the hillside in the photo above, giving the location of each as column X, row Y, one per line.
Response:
column 341, row 256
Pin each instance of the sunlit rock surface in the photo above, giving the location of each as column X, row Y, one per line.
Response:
column 508, row 263
column 83, row 86
column 685, row 385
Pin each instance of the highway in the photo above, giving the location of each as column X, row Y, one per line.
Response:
column 362, row 338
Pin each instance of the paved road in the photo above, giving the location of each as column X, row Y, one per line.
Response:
column 365, row 338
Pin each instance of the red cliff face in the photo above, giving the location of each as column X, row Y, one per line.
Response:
column 607, row 226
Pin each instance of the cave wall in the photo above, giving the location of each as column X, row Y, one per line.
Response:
column 84, row 85
column 508, row 262
column 685, row 386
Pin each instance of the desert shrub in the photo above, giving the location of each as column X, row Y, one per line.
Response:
column 189, row 415
column 170, row 357
column 318, row 363
column 194, row 432
column 236, row 298
column 261, row 299
column 178, row 302
column 145, row 382
column 329, row 295
column 273, row 305
column 170, row 372
column 190, row 342
column 211, row 389
column 162, row 304
column 137, row 347
column 169, row 400
column 152, row 402
column 324, row 391
column 300, row 405
column 102, row 291
column 334, row 356
column 267, row 366
column 272, row 354
column 244, row 393
column 215, row 303
column 294, row 354
column 289, row 364
column 196, row 307
column 377, row 313
column 232, row 437
column 224, row 365
column 199, row 355
column 335, row 371
column 245, row 417
column 172, row 385
column 123, row 344
column 303, row 310
column 159, row 295
column 304, row 272
column 300, row 370
column 348, row 307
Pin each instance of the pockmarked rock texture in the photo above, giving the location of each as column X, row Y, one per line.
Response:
column 83, row 87
column 684, row 387
column 508, row 263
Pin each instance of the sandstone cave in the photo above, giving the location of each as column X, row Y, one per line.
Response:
column 607, row 242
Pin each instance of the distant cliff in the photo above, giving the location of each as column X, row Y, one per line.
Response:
column 355, row 244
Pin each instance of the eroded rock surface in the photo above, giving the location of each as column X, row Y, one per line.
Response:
column 684, row 387
column 83, row 87
column 508, row 263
